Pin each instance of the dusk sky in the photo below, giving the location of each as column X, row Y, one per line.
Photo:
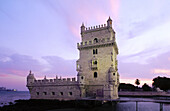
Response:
column 42, row 36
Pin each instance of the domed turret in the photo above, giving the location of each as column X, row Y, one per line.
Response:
column 112, row 75
column 82, row 28
column 111, row 70
column 30, row 78
column 80, row 76
column 109, row 22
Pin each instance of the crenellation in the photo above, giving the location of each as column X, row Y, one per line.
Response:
column 68, row 79
column 102, row 41
column 95, row 28
column 51, row 80
column 73, row 79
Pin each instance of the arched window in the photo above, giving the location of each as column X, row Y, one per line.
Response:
column 95, row 74
column 95, row 40
column 95, row 62
column 114, row 74
column 95, row 51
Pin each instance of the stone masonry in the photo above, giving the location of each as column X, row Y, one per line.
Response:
column 97, row 76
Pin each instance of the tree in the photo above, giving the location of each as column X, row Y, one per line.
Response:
column 162, row 82
column 137, row 82
column 146, row 87
column 126, row 87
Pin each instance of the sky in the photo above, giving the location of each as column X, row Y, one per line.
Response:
column 42, row 36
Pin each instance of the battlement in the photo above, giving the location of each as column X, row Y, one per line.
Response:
column 56, row 81
column 103, row 41
column 95, row 28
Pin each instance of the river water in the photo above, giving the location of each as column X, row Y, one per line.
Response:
column 11, row 96
column 7, row 96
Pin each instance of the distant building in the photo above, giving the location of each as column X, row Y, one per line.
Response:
column 97, row 76
column 3, row 89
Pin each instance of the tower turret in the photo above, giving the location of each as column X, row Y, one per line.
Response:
column 30, row 78
column 109, row 22
column 82, row 28
column 80, row 77
column 81, row 82
column 112, row 75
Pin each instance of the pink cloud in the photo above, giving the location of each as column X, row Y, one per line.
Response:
column 4, row 75
column 115, row 4
column 162, row 71
column 132, row 81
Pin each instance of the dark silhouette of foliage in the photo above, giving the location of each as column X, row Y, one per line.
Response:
column 126, row 87
column 162, row 82
column 146, row 87
column 137, row 82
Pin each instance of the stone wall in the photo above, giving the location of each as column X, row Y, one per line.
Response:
column 65, row 88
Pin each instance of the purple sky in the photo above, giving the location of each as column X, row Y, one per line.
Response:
column 42, row 35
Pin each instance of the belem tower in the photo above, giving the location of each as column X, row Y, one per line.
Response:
column 97, row 72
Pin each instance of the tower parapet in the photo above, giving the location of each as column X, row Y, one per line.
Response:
column 31, row 81
column 101, row 42
column 97, row 27
column 30, row 78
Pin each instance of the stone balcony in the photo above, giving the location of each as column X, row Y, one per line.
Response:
column 100, row 43
column 94, row 67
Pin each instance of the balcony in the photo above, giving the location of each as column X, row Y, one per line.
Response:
column 94, row 67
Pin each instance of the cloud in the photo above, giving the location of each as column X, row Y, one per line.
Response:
column 60, row 66
column 15, row 67
column 156, row 66
column 17, row 64
column 132, row 81
column 161, row 71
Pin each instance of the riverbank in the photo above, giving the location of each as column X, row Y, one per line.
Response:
column 121, row 104
column 143, row 94
column 44, row 105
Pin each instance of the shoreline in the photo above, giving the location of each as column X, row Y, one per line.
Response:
column 143, row 94
column 54, row 105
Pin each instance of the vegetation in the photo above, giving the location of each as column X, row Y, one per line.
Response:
column 126, row 87
column 162, row 82
column 146, row 87
column 137, row 82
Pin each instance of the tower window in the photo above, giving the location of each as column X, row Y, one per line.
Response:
column 81, row 77
column 45, row 93
column 38, row 93
column 70, row 93
column 61, row 93
column 95, row 74
column 95, row 40
column 95, row 51
column 114, row 74
column 53, row 93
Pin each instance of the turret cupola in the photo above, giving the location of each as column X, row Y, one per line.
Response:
column 109, row 22
column 82, row 28
column 30, row 78
column 80, row 76
column 112, row 75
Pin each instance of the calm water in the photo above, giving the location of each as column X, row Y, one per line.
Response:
column 6, row 97
column 11, row 96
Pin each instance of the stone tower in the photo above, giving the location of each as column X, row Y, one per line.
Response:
column 98, row 75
